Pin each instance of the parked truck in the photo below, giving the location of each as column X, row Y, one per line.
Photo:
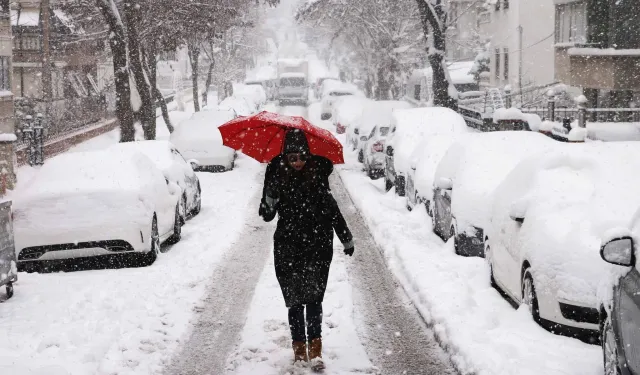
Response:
column 293, row 81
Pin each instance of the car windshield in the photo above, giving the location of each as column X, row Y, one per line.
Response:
column 467, row 87
column 292, row 81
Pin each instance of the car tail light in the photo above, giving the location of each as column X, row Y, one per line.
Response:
column 378, row 147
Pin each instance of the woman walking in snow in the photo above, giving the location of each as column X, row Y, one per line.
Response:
column 296, row 187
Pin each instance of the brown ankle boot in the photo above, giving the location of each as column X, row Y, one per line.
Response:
column 300, row 351
column 315, row 354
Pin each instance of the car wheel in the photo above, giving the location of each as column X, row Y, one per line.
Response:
column 9, row 289
column 610, row 349
column 177, row 228
column 427, row 205
column 150, row 257
column 409, row 208
column 183, row 209
column 387, row 183
column 529, row 296
column 361, row 156
column 198, row 199
column 454, row 235
column 487, row 255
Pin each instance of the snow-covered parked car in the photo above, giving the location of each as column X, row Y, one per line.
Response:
column 238, row 105
column 317, row 89
column 255, row 95
column 424, row 162
column 550, row 217
column 331, row 91
column 175, row 168
column 346, row 110
column 466, row 178
column 373, row 151
column 199, row 141
column 620, row 309
column 97, row 203
column 408, row 128
column 373, row 113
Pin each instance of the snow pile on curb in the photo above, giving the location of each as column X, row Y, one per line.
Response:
column 481, row 331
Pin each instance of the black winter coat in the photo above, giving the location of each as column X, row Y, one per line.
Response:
column 307, row 217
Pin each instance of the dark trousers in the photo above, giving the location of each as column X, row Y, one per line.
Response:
column 297, row 322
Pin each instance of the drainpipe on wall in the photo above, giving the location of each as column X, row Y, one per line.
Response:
column 520, row 48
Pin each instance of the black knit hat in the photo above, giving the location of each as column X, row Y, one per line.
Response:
column 295, row 142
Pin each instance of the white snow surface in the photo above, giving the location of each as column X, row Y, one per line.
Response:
column 127, row 321
column 571, row 200
column 481, row 331
column 478, row 162
column 415, row 125
column 265, row 344
column 238, row 104
column 378, row 113
column 502, row 114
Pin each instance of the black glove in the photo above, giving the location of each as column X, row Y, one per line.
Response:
column 349, row 251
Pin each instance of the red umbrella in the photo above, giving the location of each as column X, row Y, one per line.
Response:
column 261, row 136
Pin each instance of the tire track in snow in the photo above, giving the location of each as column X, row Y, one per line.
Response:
column 222, row 313
column 393, row 332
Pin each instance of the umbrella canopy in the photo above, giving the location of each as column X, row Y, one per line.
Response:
column 261, row 136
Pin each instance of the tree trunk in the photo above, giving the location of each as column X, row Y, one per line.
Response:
column 433, row 24
column 152, row 73
column 194, row 55
column 205, row 96
column 382, row 91
column 147, row 109
column 118, row 44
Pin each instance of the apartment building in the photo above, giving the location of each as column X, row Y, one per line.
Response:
column 598, row 49
column 7, row 126
column 67, row 90
column 520, row 36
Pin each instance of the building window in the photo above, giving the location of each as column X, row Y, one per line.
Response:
column 416, row 92
column 506, row 65
column 505, row 4
column 497, row 4
column 571, row 23
column 497, row 65
column 5, row 73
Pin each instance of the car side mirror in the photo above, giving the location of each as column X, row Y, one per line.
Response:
column 619, row 251
column 517, row 218
column 193, row 163
column 444, row 183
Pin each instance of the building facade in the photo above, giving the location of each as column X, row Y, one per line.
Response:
column 66, row 90
column 7, row 126
column 463, row 34
column 520, row 36
column 598, row 49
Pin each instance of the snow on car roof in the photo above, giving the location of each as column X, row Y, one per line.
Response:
column 86, row 172
column 478, row 162
column 571, row 200
column 348, row 109
column 203, row 124
column 159, row 152
column 237, row 104
column 413, row 125
column 378, row 113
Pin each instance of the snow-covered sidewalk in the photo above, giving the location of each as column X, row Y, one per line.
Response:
column 481, row 331
column 125, row 321
column 265, row 347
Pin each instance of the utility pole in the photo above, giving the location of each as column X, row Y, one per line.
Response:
column 47, row 88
